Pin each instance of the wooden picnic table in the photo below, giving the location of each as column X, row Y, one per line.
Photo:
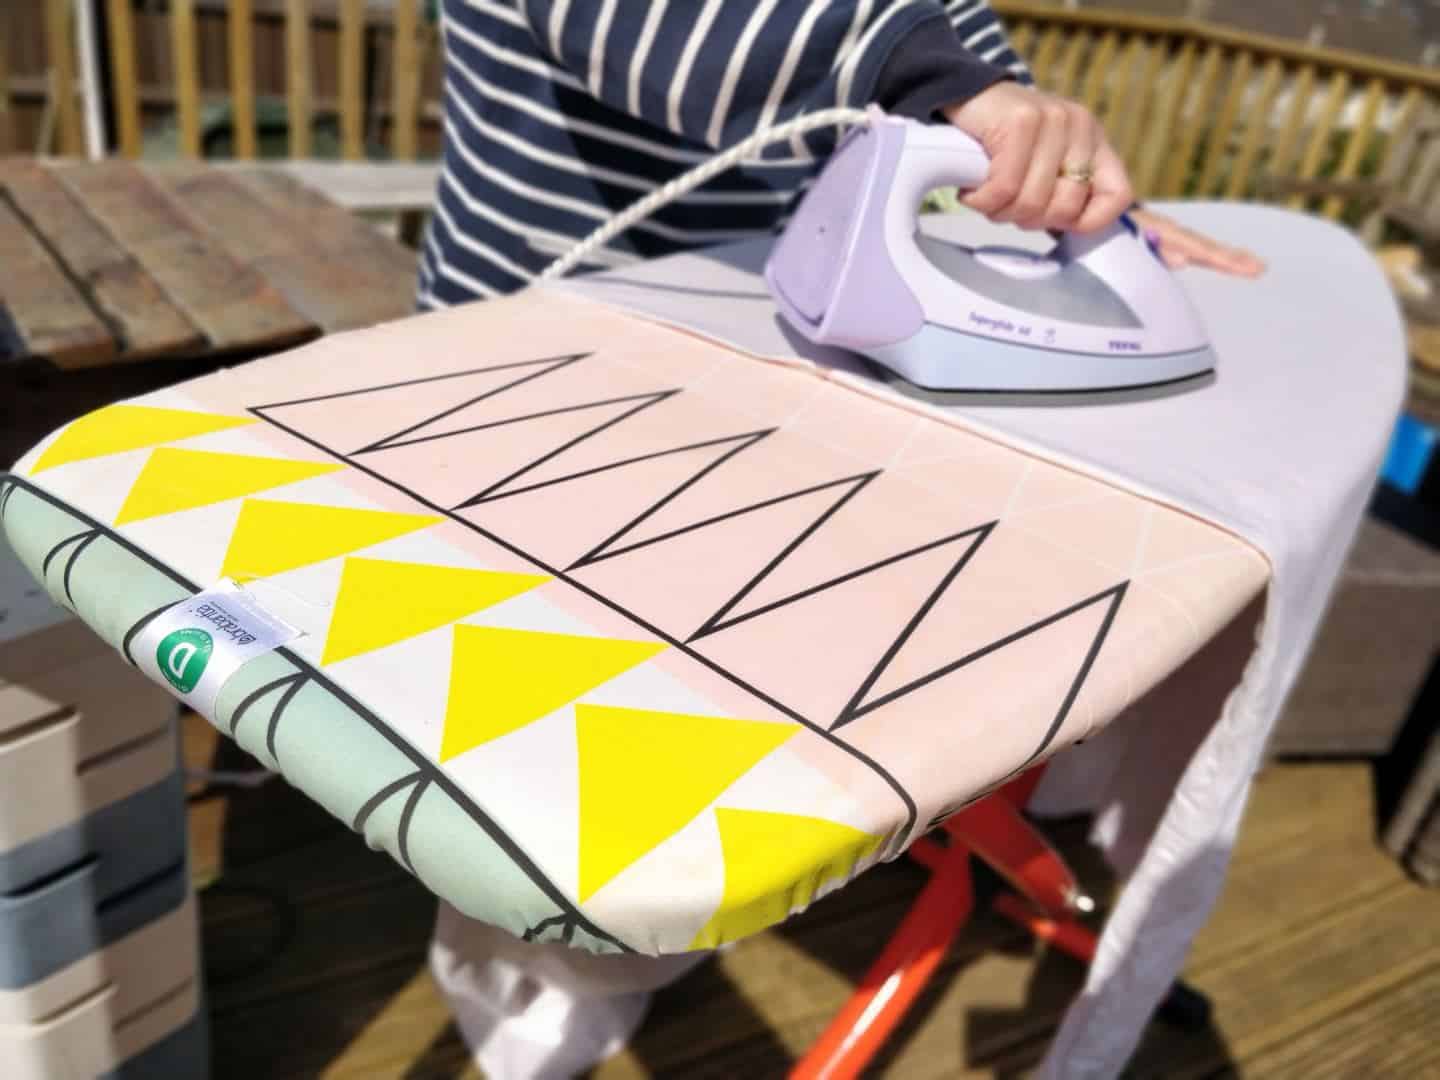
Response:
column 113, row 262
column 118, row 278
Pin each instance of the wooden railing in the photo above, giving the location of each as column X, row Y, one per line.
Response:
column 1204, row 111
column 1195, row 109
column 372, row 64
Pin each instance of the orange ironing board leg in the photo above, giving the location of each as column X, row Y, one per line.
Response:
column 1045, row 901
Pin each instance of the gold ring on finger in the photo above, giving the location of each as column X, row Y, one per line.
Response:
column 1080, row 174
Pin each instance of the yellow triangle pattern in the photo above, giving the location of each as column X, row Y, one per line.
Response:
column 774, row 865
column 174, row 480
column 382, row 602
column 272, row 537
column 645, row 775
column 117, row 428
column 501, row 680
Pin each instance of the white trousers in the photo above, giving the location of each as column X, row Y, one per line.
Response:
column 541, row 1012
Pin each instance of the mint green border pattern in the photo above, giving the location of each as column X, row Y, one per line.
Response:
column 297, row 721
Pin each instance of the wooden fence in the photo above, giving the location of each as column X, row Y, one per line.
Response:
column 367, row 75
column 1195, row 109
column 1202, row 111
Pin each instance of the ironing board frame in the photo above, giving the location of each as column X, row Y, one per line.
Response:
column 1044, row 899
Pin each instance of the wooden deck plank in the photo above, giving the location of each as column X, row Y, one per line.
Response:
column 361, row 930
column 1278, row 875
column 231, row 304
column 401, row 1029
column 311, row 257
column 48, row 313
column 1312, row 975
column 1389, row 1033
column 1310, row 971
column 7, row 115
column 1307, row 858
column 138, row 310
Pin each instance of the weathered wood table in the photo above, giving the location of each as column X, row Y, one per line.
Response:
column 117, row 278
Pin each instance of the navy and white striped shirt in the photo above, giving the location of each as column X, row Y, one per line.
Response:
column 559, row 113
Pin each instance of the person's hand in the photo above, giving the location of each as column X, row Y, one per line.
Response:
column 1051, row 166
column 1180, row 246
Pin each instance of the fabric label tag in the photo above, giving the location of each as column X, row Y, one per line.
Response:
column 199, row 643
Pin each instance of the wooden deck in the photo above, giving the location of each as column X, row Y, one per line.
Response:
column 1322, row 960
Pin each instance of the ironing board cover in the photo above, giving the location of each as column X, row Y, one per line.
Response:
column 611, row 634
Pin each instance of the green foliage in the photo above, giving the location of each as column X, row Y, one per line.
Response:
column 940, row 201
column 272, row 123
column 1334, row 152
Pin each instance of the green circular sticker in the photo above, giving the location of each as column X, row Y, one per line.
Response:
column 183, row 657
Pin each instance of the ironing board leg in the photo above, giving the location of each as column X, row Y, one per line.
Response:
column 897, row 977
column 1070, row 937
column 996, row 830
column 1048, row 895
column 925, row 934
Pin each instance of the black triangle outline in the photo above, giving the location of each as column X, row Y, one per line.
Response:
column 606, row 550
column 717, row 622
column 611, row 465
column 363, row 390
column 644, row 401
column 1117, row 597
column 1115, row 594
column 649, row 397
column 394, row 439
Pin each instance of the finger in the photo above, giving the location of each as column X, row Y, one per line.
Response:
column 1213, row 256
column 1198, row 250
column 1009, row 159
column 1051, row 145
column 1111, row 194
column 1232, row 261
column 1174, row 258
column 1071, row 196
column 1178, row 247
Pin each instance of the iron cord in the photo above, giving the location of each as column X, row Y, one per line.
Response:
column 704, row 172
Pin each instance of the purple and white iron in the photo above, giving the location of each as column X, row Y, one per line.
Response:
column 1098, row 312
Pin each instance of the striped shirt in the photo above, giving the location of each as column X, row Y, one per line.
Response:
column 558, row 113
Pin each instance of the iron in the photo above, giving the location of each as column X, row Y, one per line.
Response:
column 1098, row 313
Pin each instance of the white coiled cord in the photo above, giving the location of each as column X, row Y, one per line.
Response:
column 700, row 174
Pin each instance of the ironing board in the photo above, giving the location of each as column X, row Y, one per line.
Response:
column 610, row 633
column 1282, row 450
